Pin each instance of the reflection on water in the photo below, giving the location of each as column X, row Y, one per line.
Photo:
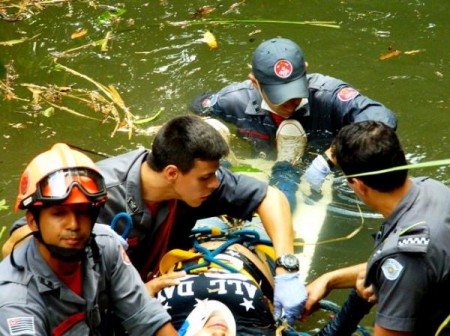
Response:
column 158, row 68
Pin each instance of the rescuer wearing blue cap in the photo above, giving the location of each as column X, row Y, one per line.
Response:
column 281, row 107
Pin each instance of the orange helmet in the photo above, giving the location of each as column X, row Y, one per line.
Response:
column 60, row 175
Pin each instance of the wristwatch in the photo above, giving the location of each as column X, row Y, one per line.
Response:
column 289, row 262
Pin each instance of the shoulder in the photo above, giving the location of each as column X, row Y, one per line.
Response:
column 236, row 97
column 236, row 87
column 116, row 164
column 112, row 251
column 433, row 197
column 429, row 183
column 107, row 237
column 120, row 170
column 228, row 178
column 320, row 81
column 14, row 284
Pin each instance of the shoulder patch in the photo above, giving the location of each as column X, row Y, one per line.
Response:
column 125, row 258
column 21, row 325
column 391, row 269
column 347, row 94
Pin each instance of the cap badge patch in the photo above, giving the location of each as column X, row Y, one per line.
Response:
column 347, row 93
column 391, row 269
column 283, row 68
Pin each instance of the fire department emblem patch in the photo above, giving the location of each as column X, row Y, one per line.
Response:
column 283, row 68
column 347, row 94
column 125, row 258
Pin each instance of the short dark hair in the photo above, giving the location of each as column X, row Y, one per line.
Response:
column 370, row 146
column 184, row 139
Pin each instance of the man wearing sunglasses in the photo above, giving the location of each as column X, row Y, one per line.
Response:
column 73, row 276
column 166, row 190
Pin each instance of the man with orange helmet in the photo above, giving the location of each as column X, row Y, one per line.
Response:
column 73, row 275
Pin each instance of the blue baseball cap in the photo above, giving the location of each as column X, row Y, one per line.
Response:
column 279, row 66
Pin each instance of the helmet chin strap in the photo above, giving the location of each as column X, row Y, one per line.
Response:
column 62, row 253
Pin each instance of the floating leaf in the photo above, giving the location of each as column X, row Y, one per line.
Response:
column 389, row 55
column 18, row 125
column 257, row 31
column 79, row 33
column 210, row 40
column 4, row 227
column 413, row 52
column 49, row 112
column 3, row 206
column 234, row 8
column 202, row 11
column 104, row 47
column 110, row 15
column 146, row 120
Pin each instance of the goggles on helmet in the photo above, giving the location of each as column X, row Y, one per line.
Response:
column 57, row 186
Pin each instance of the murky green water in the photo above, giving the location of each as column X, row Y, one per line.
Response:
column 159, row 67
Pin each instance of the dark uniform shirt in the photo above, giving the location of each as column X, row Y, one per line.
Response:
column 331, row 105
column 410, row 268
column 237, row 196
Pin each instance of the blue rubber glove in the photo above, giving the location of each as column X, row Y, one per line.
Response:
column 317, row 172
column 290, row 295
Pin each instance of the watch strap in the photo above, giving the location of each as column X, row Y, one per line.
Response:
column 328, row 160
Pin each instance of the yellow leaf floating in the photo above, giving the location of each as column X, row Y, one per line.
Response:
column 79, row 33
column 390, row 55
column 210, row 40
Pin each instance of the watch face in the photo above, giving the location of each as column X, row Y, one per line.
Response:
column 288, row 262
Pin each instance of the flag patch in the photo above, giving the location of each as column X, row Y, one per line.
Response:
column 23, row 325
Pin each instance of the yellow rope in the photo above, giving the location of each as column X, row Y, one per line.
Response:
column 334, row 240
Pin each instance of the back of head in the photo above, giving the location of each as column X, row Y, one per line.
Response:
column 279, row 66
column 184, row 139
column 369, row 146
column 60, row 175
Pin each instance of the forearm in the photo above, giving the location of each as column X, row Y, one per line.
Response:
column 380, row 331
column 277, row 220
column 166, row 330
column 324, row 284
column 344, row 277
